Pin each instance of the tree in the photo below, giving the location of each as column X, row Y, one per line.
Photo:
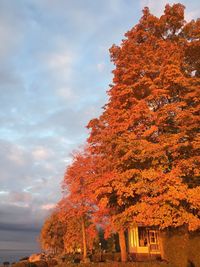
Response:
column 77, row 205
column 147, row 138
column 142, row 163
column 52, row 233
column 80, row 233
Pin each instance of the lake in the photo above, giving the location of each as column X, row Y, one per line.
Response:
column 14, row 255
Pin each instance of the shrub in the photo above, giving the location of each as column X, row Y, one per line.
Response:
column 22, row 264
column 119, row 264
column 41, row 263
column 24, row 259
column 52, row 262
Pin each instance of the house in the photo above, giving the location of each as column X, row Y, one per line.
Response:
column 143, row 242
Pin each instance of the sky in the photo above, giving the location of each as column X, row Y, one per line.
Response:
column 54, row 73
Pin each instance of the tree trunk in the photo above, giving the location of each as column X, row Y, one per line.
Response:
column 84, row 239
column 122, row 244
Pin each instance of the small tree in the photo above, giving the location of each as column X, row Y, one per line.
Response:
column 77, row 206
column 52, row 233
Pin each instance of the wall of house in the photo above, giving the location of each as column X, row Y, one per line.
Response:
column 194, row 248
column 133, row 243
column 175, row 247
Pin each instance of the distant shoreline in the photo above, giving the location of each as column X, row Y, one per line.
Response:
column 16, row 249
column 14, row 255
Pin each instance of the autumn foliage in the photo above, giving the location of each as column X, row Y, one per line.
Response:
column 142, row 160
column 77, row 206
column 52, row 234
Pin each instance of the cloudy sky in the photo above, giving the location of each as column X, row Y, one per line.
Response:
column 54, row 74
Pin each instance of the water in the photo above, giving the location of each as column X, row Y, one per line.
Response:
column 14, row 255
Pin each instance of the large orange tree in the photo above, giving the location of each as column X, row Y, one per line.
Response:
column 147, row 138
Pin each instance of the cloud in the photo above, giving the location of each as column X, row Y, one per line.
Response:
column 157, row 7
column 20, row 197
column 101, row 66
column 48, row 206
column 11, row 29
column 26, row 188
column 190, row 15
column 16, row 155
column 42, row 153
column 58, row 63
column 21, row 227
column 66, row 93
column 58, row 60
column 4, row 192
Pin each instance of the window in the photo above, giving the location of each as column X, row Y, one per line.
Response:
column 153, row 240
column 152, row 237
column 143, row 238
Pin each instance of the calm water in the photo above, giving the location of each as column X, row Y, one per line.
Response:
column 14, row 255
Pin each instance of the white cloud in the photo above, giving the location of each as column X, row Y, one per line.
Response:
column 41, row 153
column 66, row 93
column 17, row 155
column 58, row 60
column 116, row 6
column 10, row 35
column 15, row 199
column 20, row 197
column 4, row 192
column 56, row 65
column 48, row 206
column 101, row 66
column 190, row 15
column 156, row 7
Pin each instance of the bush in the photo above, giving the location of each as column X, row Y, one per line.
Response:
column 118, row 264
column 22, row 264
column 52, row 262
column 41, row 263
column 106, row 257
column 24, row 259
column 109, row 256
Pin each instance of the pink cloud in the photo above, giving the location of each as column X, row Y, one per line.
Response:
column 48, row 206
